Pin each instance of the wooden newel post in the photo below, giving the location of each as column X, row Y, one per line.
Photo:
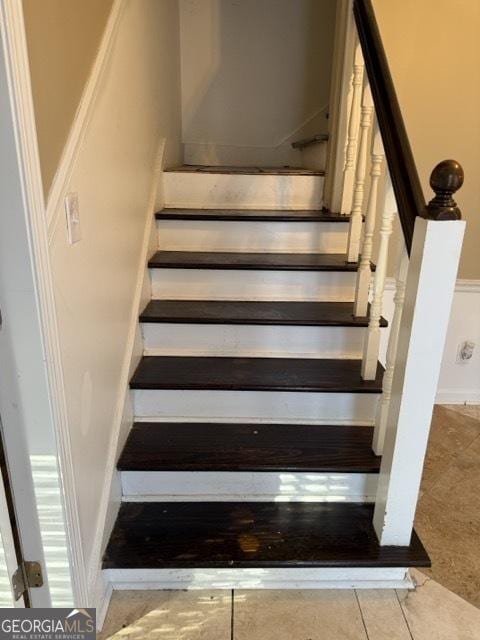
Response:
column 446, row 179
column 430, row 284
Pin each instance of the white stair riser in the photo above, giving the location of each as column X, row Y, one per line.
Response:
column 232, row 284
column 240, row 236
column 242, row 191
column 252, row 340
column 264, row 486
column 273, row 406
column 261, row 578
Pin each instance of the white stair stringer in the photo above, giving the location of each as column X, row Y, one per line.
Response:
column 242, row 191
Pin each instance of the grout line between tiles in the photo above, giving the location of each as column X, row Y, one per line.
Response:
column 232, row 615
column 361, row 614
column 404, row 616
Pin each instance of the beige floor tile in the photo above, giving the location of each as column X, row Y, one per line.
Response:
column 382, row 614
column 169, row 615
column 297, row 615
column 472, row 410
column 451, row 433
column 434, row 613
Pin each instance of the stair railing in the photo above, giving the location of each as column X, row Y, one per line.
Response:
column 427, row 264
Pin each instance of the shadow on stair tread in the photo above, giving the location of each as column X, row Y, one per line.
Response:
column 252, row 261
column 321, row 314
column 254, row 374
column 204, row 446
column 158, row 535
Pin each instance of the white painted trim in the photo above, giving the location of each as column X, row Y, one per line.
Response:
column 17, row 59
column 123, row 415
column 457, row 396
column 467, row 286
column 292, row 578
column 102, row 597
column 82, row 118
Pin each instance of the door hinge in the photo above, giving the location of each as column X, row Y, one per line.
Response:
column 27, row 576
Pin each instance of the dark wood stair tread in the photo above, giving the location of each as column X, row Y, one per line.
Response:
column 254, row 261
column 157, row 535
column 319, row 314
column 231, row 170
column 254, row 374
column 179, row 446
column 232, row 215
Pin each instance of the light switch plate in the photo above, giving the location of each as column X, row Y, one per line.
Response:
column 72, row 211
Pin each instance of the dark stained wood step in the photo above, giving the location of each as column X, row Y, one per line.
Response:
column 177, row 446
column 159, row 535
column 222, row 169
column 251, row 261
column 254, row 374
column 232, row 215
column 319, row 314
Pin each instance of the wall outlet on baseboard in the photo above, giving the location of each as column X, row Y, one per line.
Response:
column 465, row 352
column 72, row 212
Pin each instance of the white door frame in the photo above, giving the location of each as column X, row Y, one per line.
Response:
column 22, row 194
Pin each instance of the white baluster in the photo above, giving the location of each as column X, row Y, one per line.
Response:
column 364, row 271
column 353, row 126
column 384, row 403
column 372, row 337
column 355, row 228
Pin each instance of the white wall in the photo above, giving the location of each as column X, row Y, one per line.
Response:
column 255, row 75
column 459, row 382
column 136, row 107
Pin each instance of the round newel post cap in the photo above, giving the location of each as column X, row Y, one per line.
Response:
column 445, row 180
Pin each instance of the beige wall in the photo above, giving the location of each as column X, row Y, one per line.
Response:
column 96, row 279
column 255, row 73
column 63, row 37
column 434, row 54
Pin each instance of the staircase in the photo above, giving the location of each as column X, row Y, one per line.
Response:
column 250, row 461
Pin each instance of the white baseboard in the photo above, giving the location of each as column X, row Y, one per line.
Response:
column 102, row 597
column 457, row 396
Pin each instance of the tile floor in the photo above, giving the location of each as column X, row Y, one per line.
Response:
column 429, row 613
column 448, row 513
column 448, row 520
